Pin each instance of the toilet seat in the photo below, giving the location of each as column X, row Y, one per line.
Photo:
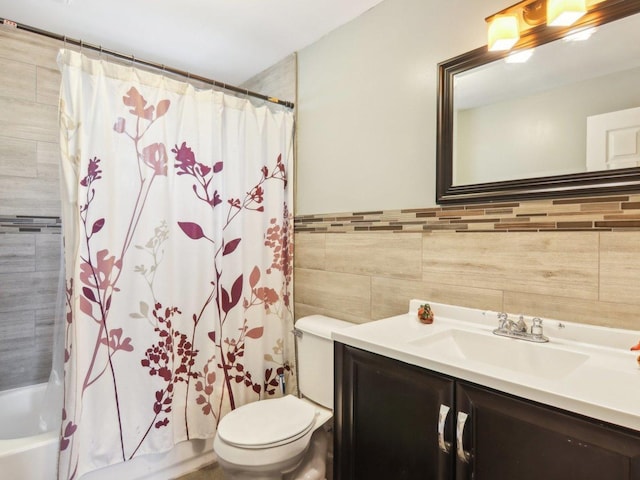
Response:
column 252, row 427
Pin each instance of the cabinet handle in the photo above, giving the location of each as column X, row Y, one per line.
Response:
column 462, row 420
column 442, row 419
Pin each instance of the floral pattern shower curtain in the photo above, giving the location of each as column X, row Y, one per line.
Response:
column 178, row 249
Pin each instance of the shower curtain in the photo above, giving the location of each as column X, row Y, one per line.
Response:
column 178, row 253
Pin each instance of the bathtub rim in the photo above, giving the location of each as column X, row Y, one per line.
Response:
column 185, row 456
column 14, row 446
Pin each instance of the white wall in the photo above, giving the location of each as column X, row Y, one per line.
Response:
column 367, row 100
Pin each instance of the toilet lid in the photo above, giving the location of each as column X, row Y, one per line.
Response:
column 267, row 423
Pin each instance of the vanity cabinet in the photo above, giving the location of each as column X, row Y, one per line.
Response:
column 398, row 421
column 386, row 419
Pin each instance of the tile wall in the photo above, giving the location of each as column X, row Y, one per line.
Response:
column 576, row 260
column 29, row 206
column 30, row 251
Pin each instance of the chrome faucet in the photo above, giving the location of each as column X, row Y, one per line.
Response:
column 511, row 329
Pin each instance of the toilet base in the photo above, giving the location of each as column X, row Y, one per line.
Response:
column 249, row 475
column 271, row 472
column 311, row 464
column 314, row 464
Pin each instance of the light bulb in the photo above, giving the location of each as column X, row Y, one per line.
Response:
column 503, row 32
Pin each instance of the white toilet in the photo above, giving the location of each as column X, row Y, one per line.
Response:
column 270, row 439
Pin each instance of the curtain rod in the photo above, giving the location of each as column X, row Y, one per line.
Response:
column 98, row 48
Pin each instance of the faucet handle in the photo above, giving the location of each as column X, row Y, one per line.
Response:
column 536, row 326
column 502, row 319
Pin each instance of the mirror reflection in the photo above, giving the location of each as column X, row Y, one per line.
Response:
column 572, row 106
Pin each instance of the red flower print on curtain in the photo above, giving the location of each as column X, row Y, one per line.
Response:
column 178, row 253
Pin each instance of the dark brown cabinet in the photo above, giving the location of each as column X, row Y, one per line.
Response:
column 399, row 421
column 386, row 415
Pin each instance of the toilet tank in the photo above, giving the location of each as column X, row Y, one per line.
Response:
column 315, row 357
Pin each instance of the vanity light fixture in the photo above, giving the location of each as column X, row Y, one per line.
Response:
column 506, row 26
column 563, row 13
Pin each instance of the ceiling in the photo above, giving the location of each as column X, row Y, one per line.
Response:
column 227, row 40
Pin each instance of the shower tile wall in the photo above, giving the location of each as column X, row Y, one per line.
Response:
column 29, row 205
column 29, row 269
column 277, row 81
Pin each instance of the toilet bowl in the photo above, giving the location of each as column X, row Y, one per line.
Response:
column 270, row 439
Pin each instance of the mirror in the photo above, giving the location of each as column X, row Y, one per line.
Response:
column 519, row 130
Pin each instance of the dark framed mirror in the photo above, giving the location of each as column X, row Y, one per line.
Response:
column 506, row 133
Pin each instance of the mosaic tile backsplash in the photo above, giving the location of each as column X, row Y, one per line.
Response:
column 29, row 224
column 620, row 212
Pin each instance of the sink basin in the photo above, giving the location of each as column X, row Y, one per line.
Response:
column 511, row 354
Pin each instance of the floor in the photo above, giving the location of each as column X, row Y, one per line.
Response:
column 211, row 472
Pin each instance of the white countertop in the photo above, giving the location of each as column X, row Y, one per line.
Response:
column 603, row 382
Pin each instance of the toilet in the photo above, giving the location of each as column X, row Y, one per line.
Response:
column 286, row 437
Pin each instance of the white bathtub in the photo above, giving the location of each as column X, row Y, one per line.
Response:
column 27, row 453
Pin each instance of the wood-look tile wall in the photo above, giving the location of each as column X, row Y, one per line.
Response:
column 29, row 271
column 576, row 260
column 29, row 205
column 278, row 81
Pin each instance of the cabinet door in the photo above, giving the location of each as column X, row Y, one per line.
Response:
column 386, row 419
column 510, row 438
